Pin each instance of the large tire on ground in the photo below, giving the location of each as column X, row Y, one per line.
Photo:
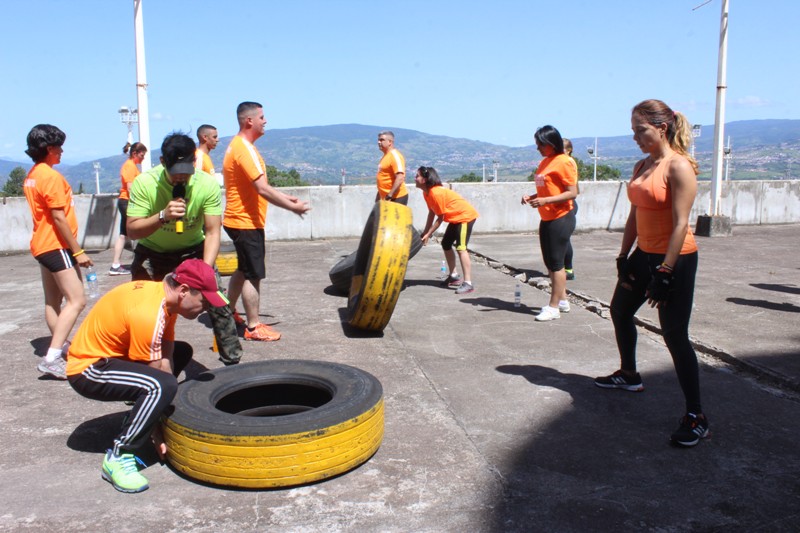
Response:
column 274, row 423
column 341, row 273
column 227, row 262
column 380, row 266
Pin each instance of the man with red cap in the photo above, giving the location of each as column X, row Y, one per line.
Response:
column 125, row 350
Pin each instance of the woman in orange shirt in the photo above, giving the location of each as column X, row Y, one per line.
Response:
column 661, row 270
column 127, row 174
column 556, row 180
column 54, row 243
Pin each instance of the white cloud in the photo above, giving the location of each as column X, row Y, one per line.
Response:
column 750, row 101
column 160, row 116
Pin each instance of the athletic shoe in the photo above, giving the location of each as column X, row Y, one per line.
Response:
column 118, row 271
column 465, row 288
column 570, row 274
column 693, row 428
column 238, row 319
column 451, row 281
column 618, row 380
column 548, row 313
column 563, row 306
column 261, row 332
column 57, row 368
column 123, row 474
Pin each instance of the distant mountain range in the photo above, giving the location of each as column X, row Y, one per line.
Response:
column 762, row 149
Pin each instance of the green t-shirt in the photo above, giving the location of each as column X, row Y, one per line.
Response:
column 150, row 192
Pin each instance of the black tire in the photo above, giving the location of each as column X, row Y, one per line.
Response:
column 416, row 243
column 342, row 274
column 274, row 423
column 380, row 266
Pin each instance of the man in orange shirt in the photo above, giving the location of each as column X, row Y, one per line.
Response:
column 207, row 139
column 247, row 192
column 391, row 171
column 125, row 350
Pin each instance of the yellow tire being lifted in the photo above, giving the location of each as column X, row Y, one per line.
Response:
column 272, row 424
column 380, row 266
column 226, row 262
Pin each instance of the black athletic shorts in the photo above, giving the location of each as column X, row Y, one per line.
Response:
column 251, row 252
column 57, row 260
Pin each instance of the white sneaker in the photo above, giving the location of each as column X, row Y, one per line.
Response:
column 563, row 306
column 57, row 368
column 548, row 313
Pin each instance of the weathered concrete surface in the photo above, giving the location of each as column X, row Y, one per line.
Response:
column 492, row 421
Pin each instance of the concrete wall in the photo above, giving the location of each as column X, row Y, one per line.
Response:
column 340, row 214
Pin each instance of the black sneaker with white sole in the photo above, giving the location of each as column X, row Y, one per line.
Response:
column 618, row 380
column 692, row 428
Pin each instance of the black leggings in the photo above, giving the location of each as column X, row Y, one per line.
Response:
column 152, row 390
column 673, row 318
column 554, row 238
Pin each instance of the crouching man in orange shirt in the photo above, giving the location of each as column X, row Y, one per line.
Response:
column 125, row 350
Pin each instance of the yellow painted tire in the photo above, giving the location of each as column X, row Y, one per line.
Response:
column 272, row 424
column 226, row 262
column 380, row 266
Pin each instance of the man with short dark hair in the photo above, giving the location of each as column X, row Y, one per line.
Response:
column 247, row 191
column 175, row 212
column 391, row 171
column 125, row 350
column 207, row 139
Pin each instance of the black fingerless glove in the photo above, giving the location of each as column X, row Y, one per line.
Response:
column 623, row 268
column 659, row 287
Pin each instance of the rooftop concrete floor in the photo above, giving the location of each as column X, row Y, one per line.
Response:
column 492, row 421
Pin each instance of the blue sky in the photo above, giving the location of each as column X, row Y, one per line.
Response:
column 490, row 71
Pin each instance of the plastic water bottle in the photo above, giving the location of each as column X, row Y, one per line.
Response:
column 443, row 271
column 517, row 295
column 91, row 283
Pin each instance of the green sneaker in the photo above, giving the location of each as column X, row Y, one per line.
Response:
column 123, row 474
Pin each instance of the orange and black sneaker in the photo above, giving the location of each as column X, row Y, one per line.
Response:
column 261, row 332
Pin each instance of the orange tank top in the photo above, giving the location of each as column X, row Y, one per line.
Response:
column 653, row 200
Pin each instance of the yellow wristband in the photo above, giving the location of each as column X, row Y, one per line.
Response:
column 79, row 252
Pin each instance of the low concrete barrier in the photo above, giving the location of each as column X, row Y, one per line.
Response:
column 341, row 213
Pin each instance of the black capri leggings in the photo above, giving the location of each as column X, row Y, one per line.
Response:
column 554, row 238
column 122, row 207
column 673, row 318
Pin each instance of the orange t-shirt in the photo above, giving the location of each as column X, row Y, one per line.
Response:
column 391, row 163
column 127, row 174
column 46, row 189
column 450, row 205
column 653, row 201
column 130, row 321
column 552, row 177
column 203, row 162
column 244, row 207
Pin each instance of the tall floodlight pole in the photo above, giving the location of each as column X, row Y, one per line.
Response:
column 141, row 83
column 697, row 129
column 719, row 117
column 593, row 155
column 96, row 166
column 727, row 158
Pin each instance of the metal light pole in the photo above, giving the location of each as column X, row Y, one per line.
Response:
column 129, row 117
column 141, row 83
column 697, row 129
column 495, row 164
column 594, row 156
column 96, row 166
column 727, row 158
column 719, row 118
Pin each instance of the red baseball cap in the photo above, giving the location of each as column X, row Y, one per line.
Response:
column 197, row 275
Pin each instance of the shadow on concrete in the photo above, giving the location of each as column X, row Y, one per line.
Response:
column 791, row 289
column 496, row 304
column 765, row 304
column 40, row 345
column 97, row 435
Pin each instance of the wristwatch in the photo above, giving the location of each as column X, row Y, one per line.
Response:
column 161, row 217
column 389, row 199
